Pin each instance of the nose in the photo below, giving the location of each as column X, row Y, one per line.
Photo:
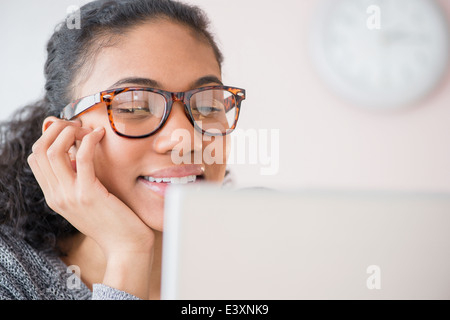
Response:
column 178, row 135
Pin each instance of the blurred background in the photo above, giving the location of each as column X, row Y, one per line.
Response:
column 347, row 94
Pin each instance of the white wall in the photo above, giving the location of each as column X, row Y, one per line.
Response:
column 324, row 140
column 26, row 26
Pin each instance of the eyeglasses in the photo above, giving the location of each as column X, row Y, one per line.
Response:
column 140, row 112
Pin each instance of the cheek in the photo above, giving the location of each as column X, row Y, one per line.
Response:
column 118, row 164
column 114, row 155
column 117, row 161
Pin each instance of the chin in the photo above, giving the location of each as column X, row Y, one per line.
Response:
column 151, row 212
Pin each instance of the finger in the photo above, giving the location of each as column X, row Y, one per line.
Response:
column 58, row 152
column 51, row 120
column 85, row 157
column 37, row 172
column 52, row 199
column 72, row 153
column 53, row 129
column 42, row 145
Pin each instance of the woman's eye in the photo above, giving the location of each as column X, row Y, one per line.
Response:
column 206, row 110
column 132, row 110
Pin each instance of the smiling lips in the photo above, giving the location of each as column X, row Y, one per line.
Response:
column 159, row 180
column 174, row 180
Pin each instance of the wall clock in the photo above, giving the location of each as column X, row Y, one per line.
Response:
column 380, row 53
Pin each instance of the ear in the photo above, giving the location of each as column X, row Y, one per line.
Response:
column 48, row 122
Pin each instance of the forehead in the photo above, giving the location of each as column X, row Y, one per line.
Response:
column 170, row 53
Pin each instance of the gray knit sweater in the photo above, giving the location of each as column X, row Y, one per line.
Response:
column 29, row 274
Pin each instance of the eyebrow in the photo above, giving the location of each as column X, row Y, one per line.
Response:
column 155, row 84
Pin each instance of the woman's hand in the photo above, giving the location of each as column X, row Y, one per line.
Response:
column 80, row 198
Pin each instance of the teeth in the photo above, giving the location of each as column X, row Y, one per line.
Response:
column 175, row 180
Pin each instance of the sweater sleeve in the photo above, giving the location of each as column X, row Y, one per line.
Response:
column 104, row 292
column 5, row 294
column 8, row 288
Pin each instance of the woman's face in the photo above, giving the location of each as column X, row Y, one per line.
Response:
column 162, row 55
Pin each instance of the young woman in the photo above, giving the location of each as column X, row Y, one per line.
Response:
column 84, row 171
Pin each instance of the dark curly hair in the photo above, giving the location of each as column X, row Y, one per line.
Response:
column 70, row 52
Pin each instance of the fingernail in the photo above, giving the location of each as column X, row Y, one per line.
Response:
column 99, row 129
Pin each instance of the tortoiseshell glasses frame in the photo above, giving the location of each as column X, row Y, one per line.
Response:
column 233, row 99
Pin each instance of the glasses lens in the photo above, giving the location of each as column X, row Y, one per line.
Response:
column 137, row 113
column 214, row 110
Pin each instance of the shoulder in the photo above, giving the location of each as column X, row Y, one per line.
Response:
column 26, row 273
column 13, row 249
column 18, row 267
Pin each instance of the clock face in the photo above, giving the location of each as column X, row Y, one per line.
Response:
column 381, row 53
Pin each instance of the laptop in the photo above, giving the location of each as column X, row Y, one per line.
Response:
column 305, row 244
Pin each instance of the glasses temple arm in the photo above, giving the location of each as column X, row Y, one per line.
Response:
column 79, row 106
